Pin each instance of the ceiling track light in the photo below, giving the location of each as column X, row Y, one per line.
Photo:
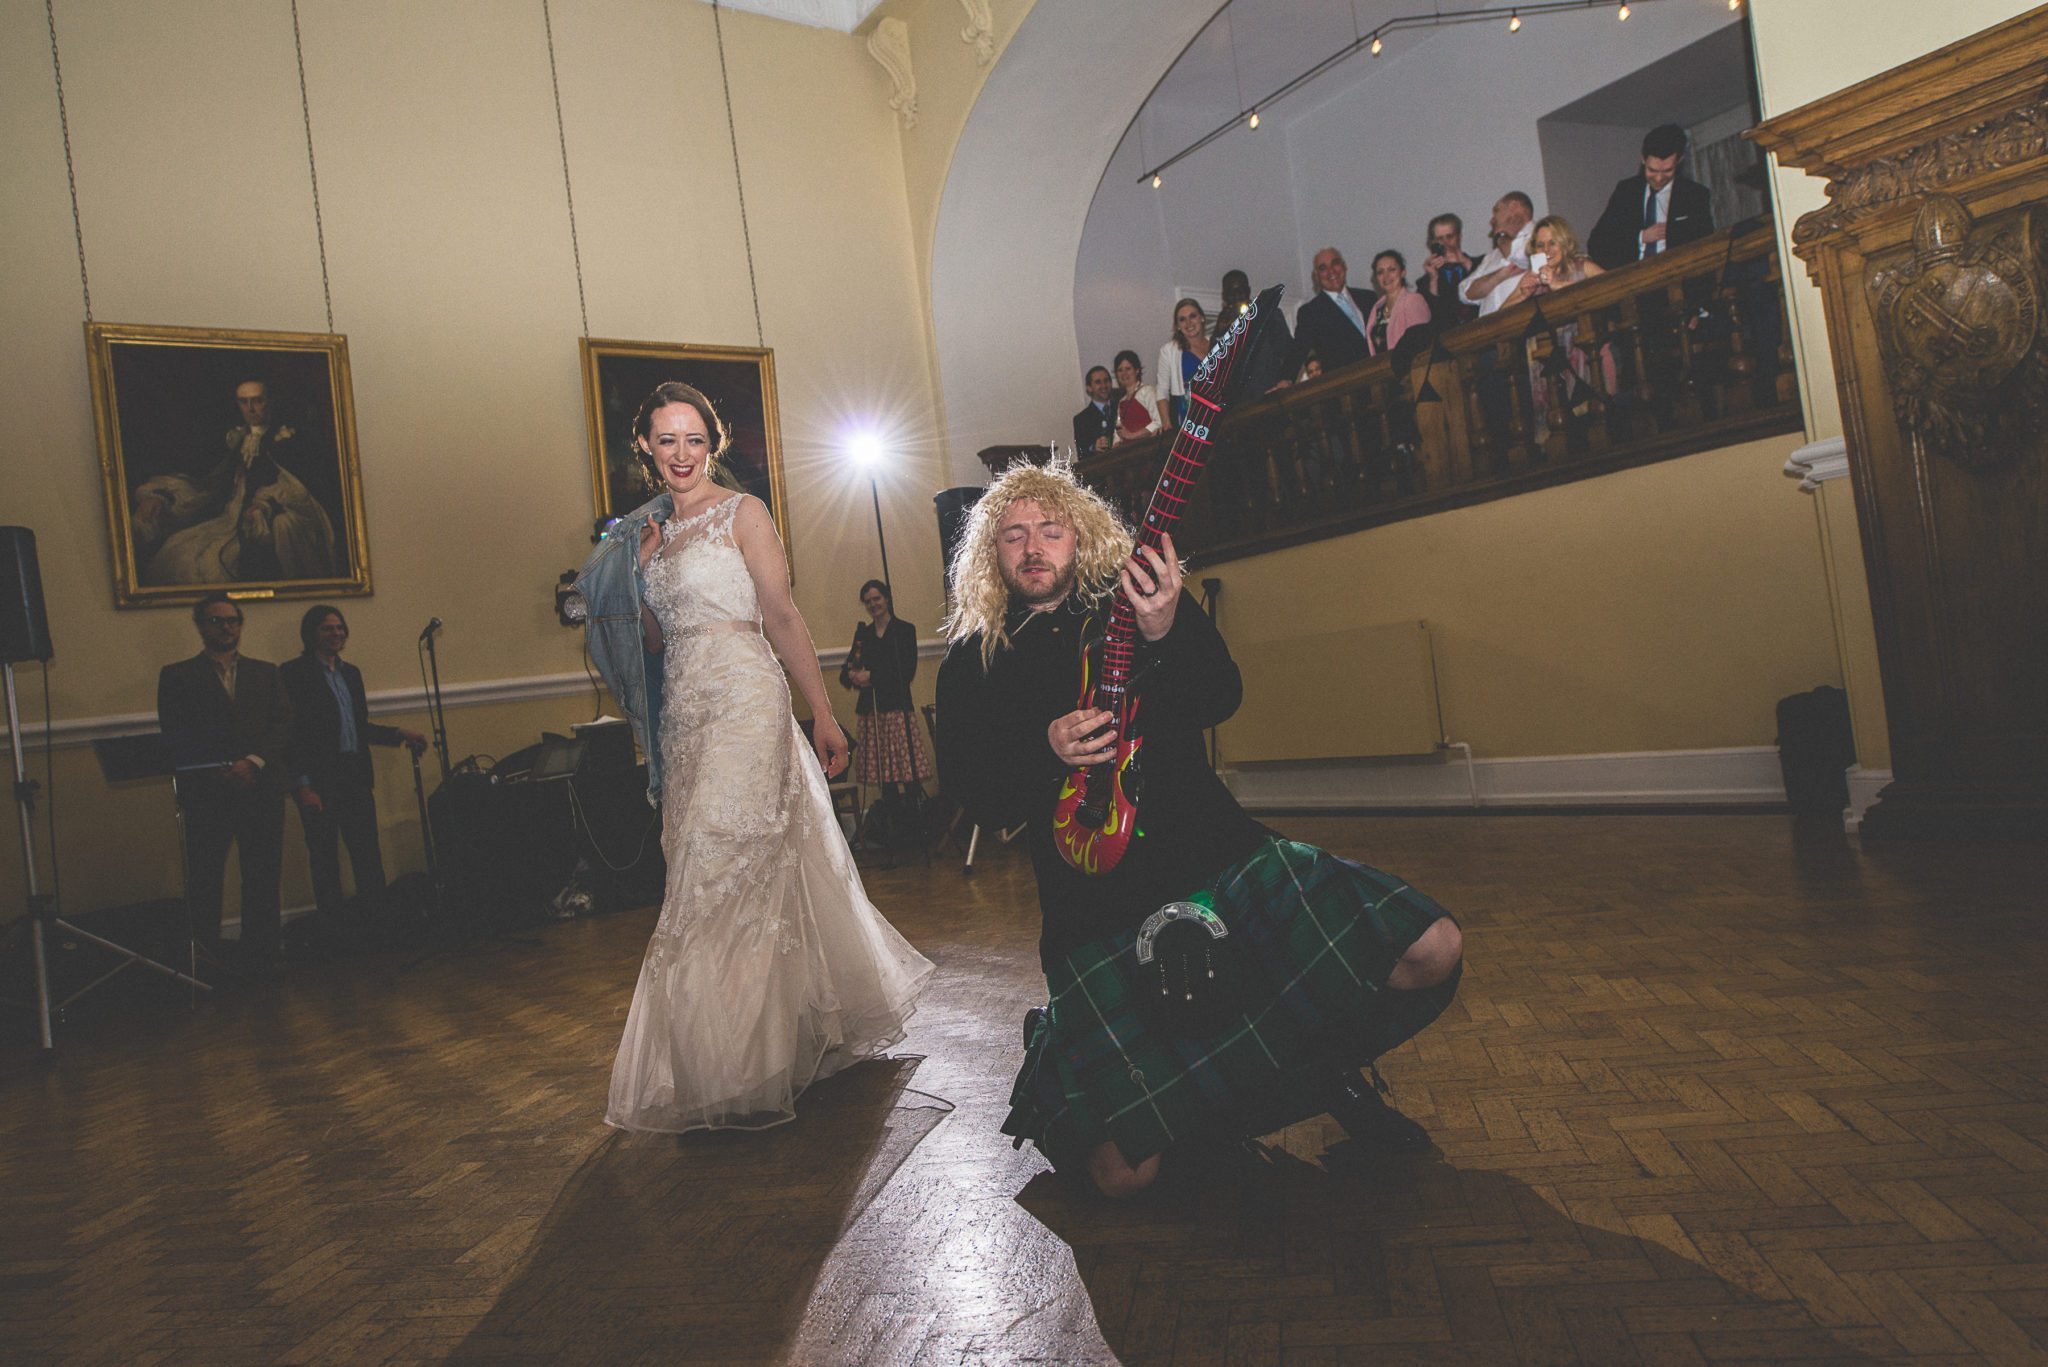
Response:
column 1374, row 42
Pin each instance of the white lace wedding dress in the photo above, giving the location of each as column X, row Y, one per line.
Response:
column 769, row 967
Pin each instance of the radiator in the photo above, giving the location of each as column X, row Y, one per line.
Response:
column 1355, row 694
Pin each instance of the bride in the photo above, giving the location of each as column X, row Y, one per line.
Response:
column 769, row 968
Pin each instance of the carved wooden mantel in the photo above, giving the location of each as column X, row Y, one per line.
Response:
column 1932, row 261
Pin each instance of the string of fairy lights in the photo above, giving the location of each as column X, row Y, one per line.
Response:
column 1374, row 42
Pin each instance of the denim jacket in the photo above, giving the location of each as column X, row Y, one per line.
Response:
column 611, row 587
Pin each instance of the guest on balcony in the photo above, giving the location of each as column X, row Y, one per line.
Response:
column 1500, row 271
column 1137, row 410
column 1095, row 424
column 1270, row 364
column 1656, row 208
column 1180, row 358
column 1557, row 263
column 1332, row 324
column 1447, row 266
column 1397, row 309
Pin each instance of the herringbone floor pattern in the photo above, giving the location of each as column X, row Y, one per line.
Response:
column 1711, row 1093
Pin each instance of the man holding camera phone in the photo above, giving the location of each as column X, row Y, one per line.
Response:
column 1446, row 267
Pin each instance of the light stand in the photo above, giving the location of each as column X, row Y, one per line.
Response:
column 42, row 906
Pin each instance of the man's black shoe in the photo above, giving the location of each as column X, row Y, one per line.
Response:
column 1372, row 1123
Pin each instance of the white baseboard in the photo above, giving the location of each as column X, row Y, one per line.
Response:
column 1739, row 775
column 1864, row 786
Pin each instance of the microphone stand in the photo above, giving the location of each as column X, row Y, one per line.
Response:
column 436, row 717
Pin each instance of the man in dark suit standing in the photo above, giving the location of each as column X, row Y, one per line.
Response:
column 226, row 720
column 1095, row 425
column 330, row 754
column 1332, row 325
column 1655, row 209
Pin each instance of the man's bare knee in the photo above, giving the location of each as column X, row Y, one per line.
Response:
column 1117, row 1179
column 1430, row 959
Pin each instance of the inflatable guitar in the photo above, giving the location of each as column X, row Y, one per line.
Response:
column 1096, row 817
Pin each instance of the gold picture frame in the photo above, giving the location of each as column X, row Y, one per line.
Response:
column 228, row 460
column 739, row 381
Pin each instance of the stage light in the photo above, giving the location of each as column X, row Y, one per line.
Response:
column 1253, row 122
column 1376, row 45
column 866, row 450
column 1514, row 22
column 1622, row 13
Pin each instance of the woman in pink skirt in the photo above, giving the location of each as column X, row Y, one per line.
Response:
column 881, row 664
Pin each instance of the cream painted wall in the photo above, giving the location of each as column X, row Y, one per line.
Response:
column 449, row 253
column 441, row 193
column 1662, row 608
column 1806, row 49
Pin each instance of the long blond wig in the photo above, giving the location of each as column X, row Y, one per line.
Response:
column 981, row 600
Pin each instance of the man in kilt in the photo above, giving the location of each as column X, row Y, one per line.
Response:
column 1161, row 1039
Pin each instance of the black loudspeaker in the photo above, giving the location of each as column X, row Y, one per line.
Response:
column 954, row 506
column 24, row 626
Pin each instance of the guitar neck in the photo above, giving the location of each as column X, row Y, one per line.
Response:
column 1176, row 485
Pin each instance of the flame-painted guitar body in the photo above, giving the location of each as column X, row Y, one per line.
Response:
column 1095, row 818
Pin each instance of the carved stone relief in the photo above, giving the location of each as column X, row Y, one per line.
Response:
column 1959, row 327
column 980, row 33
column 889, row 44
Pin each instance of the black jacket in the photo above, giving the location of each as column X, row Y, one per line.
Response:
column 316, row 752
column 1320, row 326
column 202, row 725
column 1092, row 422
column 1617, row 238
column 891, row 664
column 995, row 760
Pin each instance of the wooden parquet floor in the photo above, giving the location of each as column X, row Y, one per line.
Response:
column 1711, row 1093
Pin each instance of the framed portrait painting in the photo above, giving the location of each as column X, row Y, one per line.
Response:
column 229, row 463
column 739, row 381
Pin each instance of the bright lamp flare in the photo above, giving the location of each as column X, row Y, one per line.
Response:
column 1376, row 45
column 1514, row 23
column 866, row 448
column 1155, row 180
column 1622, row 14
column 1255, row 118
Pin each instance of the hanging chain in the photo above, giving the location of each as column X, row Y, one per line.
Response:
column 70, row 175
column 746, row 238
column 568, row 190
column 306, row 111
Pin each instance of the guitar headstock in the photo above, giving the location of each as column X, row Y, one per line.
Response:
column 1214, row 372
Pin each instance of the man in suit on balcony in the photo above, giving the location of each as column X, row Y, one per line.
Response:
column 1332, row 325
column 1095, row 425
column 1655, row 209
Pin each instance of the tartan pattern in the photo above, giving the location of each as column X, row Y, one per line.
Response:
column 1315, row 938
column 890, row 749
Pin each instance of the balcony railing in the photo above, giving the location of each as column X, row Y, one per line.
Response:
column 1682, row 354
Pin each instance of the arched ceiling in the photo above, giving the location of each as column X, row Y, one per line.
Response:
column 1016, row 197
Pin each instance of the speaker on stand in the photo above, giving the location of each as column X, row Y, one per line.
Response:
column 25, row 635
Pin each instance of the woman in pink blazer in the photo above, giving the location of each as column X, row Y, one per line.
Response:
column 1397, row 309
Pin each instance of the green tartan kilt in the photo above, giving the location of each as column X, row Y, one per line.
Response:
column 1313, row 939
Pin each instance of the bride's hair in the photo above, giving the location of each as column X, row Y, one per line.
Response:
column 981, row 599
column 673, row 392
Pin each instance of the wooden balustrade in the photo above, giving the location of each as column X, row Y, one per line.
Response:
column 1681, row 354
